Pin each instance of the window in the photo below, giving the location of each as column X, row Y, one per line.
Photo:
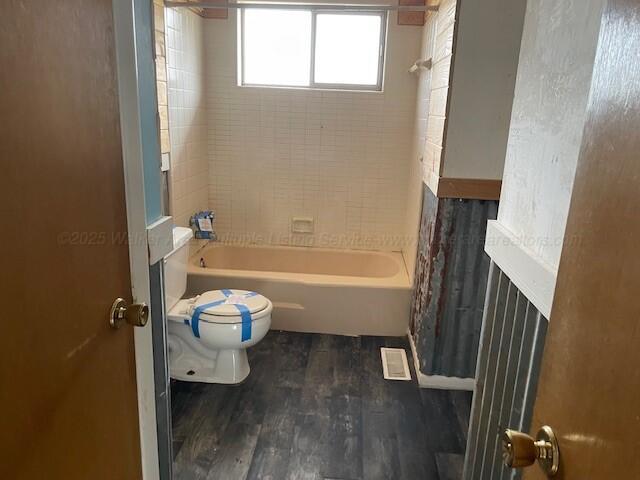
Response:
column 308, row 48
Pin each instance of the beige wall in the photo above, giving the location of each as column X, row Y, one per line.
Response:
column 161, row 73
column 464, row 101
column 442, row 23
column 421, row 120
column 341, row 158
column 187, row 114
column 485, row 63
column 475, row 57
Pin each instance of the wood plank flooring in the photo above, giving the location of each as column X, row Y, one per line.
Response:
column 316, row 407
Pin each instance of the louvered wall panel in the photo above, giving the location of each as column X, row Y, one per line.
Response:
column 511, row 346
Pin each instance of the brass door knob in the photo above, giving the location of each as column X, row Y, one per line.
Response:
column 520, row 450
column 136, row 314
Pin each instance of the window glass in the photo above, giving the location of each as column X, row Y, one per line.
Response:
column 347, row 49
column 277, row 47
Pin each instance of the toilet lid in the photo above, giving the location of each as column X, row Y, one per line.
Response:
column 221, row 306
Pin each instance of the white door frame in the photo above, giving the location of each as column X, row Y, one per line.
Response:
column 125, row 39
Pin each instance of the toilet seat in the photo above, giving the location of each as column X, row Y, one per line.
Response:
column 258, row 306
column 227, row 309
column 224, row 306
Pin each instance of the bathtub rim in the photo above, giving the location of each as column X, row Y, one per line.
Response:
column 400, row 280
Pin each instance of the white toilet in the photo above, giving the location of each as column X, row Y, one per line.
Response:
column 208, row 334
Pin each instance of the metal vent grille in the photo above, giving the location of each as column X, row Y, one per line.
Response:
column 394, row 364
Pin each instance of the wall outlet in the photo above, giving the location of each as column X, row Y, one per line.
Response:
column 301, row 225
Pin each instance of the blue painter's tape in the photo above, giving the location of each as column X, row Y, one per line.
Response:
column 195, row 318
column 245, row 314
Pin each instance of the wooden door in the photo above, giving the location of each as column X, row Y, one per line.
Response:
column 589, row 390
column 68, row 403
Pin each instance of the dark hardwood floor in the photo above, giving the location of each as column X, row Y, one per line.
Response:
column 316, row 407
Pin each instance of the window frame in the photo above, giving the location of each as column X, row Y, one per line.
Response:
column 313, row 85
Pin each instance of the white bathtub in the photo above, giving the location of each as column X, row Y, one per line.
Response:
column 317, row 290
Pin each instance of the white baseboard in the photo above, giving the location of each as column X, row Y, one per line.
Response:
column 438, row 381
column 441, row 382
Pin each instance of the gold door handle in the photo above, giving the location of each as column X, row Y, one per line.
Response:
column 520, row 450
column 136, row 314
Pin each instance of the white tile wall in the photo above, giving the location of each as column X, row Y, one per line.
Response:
column 342, row 158
column 414, row 198
column 187, row 114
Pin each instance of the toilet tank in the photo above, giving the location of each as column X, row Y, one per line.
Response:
column 175, row 266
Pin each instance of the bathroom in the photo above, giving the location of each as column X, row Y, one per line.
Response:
column 316, row 163
column 319, row 240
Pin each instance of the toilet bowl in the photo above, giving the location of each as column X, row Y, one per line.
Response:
column 208, row 334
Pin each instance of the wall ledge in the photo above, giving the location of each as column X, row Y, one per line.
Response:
column 468, row 188
column 535, row 278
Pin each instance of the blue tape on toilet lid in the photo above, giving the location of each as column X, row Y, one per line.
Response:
column 224, row 309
